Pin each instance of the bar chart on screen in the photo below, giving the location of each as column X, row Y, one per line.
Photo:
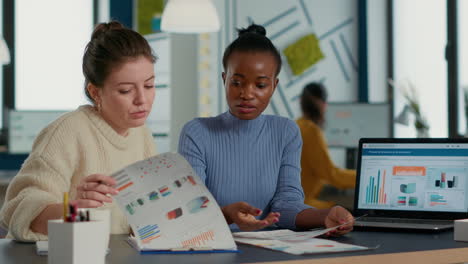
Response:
column 445, row 200
column 376, row 191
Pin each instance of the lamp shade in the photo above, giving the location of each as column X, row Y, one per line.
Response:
column 190, row 16
column 4, row 52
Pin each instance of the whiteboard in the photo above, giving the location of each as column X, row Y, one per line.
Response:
column 346, row 123
column 24, row 126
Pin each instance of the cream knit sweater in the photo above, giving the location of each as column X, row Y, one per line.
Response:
column 74, row 146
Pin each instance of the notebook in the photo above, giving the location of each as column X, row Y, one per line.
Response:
column 411, row 183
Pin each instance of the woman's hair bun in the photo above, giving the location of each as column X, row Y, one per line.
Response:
column 105, row 27
column 254, row 28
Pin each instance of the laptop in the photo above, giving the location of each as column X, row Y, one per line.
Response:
column 411, row 183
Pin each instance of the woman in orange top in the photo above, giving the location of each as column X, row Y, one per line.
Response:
column 317, row 167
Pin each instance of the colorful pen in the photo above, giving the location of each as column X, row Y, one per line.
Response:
column 65, row 206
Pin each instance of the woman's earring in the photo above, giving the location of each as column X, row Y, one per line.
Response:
column 98, row 107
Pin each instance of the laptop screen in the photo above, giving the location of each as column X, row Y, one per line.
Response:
column 413, row 176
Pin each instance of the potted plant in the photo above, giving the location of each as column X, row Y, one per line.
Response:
column 412, row 102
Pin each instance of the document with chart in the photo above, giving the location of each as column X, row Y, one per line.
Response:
column 169, row 208
column 297, row 243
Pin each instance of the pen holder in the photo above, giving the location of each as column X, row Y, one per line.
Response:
column 104, row 215
column 77, row 243
column 460, row 232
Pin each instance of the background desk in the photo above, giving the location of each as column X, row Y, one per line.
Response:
column 121, row 252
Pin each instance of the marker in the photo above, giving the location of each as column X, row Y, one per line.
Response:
column 65, row 206
column 73, row 212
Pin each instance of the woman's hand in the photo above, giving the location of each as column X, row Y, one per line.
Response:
column 337, row 216
column 95, row 190
column 243, row 215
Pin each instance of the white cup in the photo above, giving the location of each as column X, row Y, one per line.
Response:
column 104, row 215
column 77, row 243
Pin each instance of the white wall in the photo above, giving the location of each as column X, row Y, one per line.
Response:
column 48, row 62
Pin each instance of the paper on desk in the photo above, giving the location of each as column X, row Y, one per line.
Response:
column 300, row 247
column 282, row 234
column 288, row 234
column 42, row 248
column 296, row 243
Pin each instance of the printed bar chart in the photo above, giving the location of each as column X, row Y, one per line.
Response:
column 199, row 240
column 375, row 190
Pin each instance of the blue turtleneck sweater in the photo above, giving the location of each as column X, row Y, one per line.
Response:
column 255, row 161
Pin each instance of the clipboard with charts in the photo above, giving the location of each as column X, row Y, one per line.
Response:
column 169, row 209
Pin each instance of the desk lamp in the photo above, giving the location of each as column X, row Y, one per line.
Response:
column 190, row 16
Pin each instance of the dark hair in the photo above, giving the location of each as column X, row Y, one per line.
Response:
column 311, row 93
column 252, row 39
column 111, row 45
